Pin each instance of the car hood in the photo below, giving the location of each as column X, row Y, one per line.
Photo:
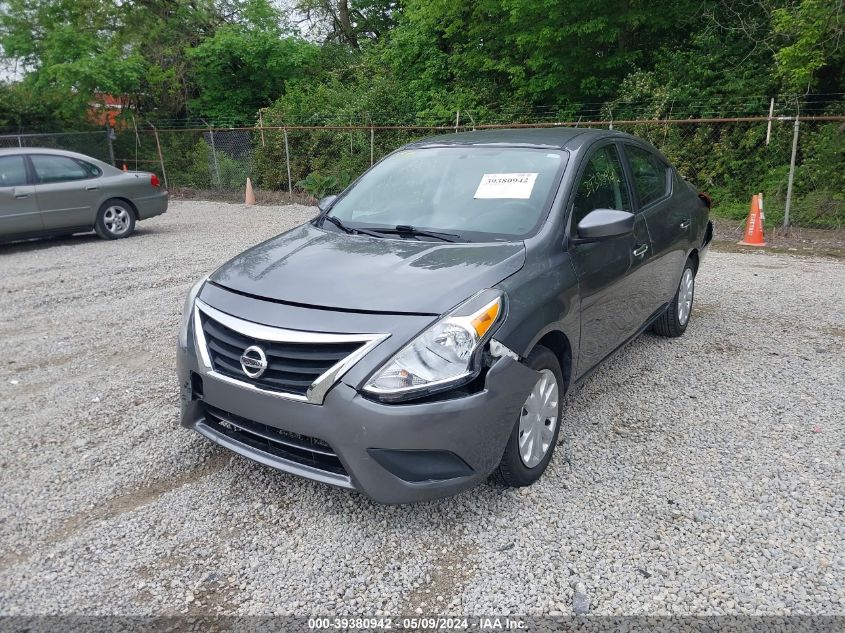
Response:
column 315, row 267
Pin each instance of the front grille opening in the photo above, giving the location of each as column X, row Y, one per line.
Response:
column 292, row 367
column 302, row 449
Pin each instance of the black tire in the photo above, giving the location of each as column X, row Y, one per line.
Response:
column 670, row 323
column 115, row 219
column 512, row 471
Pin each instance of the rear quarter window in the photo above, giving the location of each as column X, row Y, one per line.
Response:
column 91, row 169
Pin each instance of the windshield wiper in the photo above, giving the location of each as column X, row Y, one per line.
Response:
column 348, row 229
column 404, row 229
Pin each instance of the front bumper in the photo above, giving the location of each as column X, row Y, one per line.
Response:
column 393, row 453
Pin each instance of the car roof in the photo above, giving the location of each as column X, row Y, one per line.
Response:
column 42, row 150
column 17, row 151
column 547, row 137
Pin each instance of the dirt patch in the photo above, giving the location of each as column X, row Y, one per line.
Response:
column 119, row 505
column 797, row 241
column 835, row 332
column 449, row 576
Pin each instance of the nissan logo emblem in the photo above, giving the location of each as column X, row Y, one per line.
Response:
column 254, row 361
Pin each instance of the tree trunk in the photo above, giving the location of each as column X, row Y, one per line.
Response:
column 345, row 23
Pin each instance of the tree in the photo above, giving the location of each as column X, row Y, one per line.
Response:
column 139, row 51
column 549, row 52
column 240, row 69
column 349, row 22
column 813, row 54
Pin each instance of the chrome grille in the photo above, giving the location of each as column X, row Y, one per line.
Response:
column 300, row 365
column 292, row 367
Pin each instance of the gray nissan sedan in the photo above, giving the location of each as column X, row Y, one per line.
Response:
column 47, row 192
column 419, row 335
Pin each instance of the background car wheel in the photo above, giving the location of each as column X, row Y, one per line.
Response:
column 534, row 436
column 674, row 321
column 115, row 219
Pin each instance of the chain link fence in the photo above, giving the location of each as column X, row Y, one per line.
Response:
column 729, row 158
column 95, row 143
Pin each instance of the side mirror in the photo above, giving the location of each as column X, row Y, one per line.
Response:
column 601, row 224
column 325, row 203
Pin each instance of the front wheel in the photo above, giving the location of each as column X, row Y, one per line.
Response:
column 674, row 321
column 115, row 219
column 532, row 441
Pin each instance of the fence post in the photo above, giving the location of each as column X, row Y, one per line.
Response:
column 372, row 144
column 788, row 205
column 287, row 161
column 261, row 126
column 20, row 142
column 769, row 124
column 109, row 139
column 137, row 141
column 160, row 157
column 214, row 156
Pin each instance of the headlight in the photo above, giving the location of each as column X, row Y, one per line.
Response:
column 443, row 356
column 188, row 310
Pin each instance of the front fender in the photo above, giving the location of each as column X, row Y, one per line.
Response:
column 542, row 297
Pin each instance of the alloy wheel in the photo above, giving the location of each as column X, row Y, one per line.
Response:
column 116, row 220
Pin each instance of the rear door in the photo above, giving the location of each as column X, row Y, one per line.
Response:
column 611, row 273
column 19, row 212
column 66, row 190
column 668, row 222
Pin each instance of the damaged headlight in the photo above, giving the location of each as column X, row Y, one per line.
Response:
column 443, row 356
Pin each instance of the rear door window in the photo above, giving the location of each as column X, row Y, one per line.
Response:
column 51, row 169
column 650, row 174
column 12, row 171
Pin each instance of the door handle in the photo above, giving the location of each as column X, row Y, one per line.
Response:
column 21, row 196
column 640, row 250
column 93, row 188
column 685, row 224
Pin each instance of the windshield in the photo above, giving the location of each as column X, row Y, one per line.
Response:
column 472, row 191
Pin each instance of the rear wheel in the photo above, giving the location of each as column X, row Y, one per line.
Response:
column 115, row 219
column 532, row 441
column 674, row 321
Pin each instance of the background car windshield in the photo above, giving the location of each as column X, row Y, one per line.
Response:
column 500, row 191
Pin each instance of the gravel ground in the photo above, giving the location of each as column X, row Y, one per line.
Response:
column 704, row 475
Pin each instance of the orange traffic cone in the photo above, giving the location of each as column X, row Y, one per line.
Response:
column 249, row 198
column 754, row 224
column 124, row 167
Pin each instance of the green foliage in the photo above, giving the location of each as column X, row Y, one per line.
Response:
column 814, row 31
column 164, row 58
column 319, row 186
column 202, row 172
column 239, row 70
column 25, row 108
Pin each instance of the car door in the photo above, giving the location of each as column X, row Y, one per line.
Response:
column 19, row 212
column 611, row 271
column 668, row 222
column 66, row 191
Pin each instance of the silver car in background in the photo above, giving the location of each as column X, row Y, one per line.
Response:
column 53, row 192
